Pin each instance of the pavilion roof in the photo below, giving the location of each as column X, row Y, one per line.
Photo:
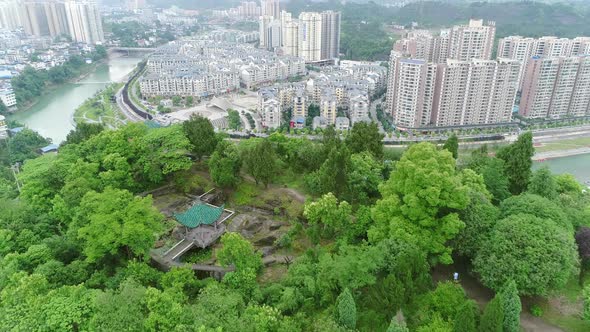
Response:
column 199, row 214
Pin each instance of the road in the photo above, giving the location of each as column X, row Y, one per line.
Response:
column 373, row 113
column 126, row 110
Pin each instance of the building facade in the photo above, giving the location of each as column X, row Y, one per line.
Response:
column 555, row 87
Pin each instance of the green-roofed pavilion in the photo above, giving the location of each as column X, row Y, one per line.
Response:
column 199, row 214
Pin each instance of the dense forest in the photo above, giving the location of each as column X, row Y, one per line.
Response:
column 367, row 242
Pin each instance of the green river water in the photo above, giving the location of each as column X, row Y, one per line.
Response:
column 52, row 115
column 579, row 166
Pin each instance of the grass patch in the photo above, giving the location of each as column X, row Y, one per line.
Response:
column 198, row 256
column 245, row 194
column 101, row 109
column 570, row 323
column 566, row 144
column 566, row 313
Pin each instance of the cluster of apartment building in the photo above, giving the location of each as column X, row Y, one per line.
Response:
column 452, row 80
column 555, row 75
column 80, row 19
column 312, row 36
column 346, row 88
column 205, row 67
column 250, row 10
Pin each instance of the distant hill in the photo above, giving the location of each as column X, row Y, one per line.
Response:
column 524, row 18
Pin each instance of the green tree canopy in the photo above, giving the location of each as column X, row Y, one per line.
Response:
column 466, row 317
column 327, row 216
column 365, row 137
column 517, row 162
column 492, row 319
column 543, row 183
column 259, row 159
column 511, row 307
column 452, row 145
column 83, row 132
column 225, row 164
column 201, row 135
column 25, row 145
column 114, row 222
column 420, row 202
column 547, row 264
column 346, row 309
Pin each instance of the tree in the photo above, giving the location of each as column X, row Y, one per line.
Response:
column 260, row 161
column 543, row 183
column 492, row 319
column 176, row 100
column 333, row 174
column 444, row 302
column 239, row 252
column 395, row 326
column 537, row 206
column 420, row 202
column 3, row 108
column 495, row 179
column 120, row 310
column 25, row 145
column 583, row 242
column 437, row 324
column 165, row 310
column 452, row 145
column 83, row 132
column 364, row 177
column 225, row 164
column 201, row 134
column 161, row 152
column 517, row 162
column 189, row 101
column 547, row 263
column 233, row 119
column 346, row 309
column 568, row 184
column 327, row 216
column 479, row 218
column 365, row 137
column 511, row 307
column 466, row 318
column 115, row 222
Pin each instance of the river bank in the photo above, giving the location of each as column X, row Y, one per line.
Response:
column 52, row 115
column 542, row 156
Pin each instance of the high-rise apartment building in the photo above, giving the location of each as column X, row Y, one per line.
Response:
column 270, row 33
column 79, row 19
column 310, row 36
column 455, row 93
column 418, row 44
column 271, row 8
column 475, row 92
column 472, row 41
column 411, row 91
column 57, row 20
column 554, row 87
column 10, row 17
column 84, row 21
column 291, row 38
column 249, row 9
column 463, row 42
column 330, row 35
column 34, row 18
